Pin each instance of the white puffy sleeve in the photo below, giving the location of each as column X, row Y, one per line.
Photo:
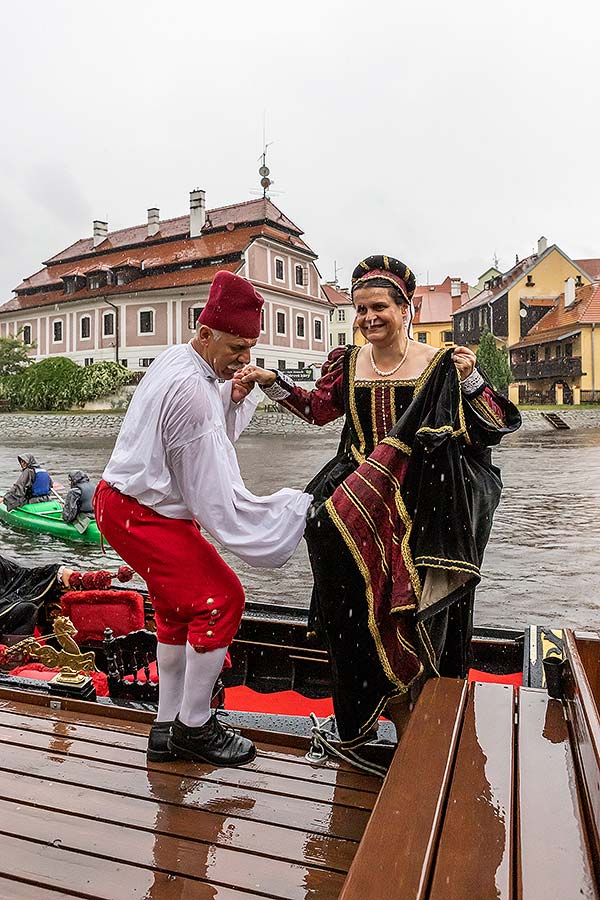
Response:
column 263, row 531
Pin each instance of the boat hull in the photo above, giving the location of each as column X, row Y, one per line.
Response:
column 46, row 518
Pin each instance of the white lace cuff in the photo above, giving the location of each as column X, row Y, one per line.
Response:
column 472, row 382
column 281, row 388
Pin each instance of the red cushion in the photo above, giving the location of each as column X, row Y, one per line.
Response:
column 39, row 672
column 141, row 675
column 93, row 611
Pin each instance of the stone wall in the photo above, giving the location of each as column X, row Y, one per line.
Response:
column 270, row 421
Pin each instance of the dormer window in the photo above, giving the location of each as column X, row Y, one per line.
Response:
column 578, row 281
column 94, row 281
column 74, row 283
column 530, row 281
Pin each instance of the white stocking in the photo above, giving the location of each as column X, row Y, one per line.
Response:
column 171, row 673
column 201, row 672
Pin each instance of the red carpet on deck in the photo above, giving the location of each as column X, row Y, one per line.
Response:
column 284, row 703
column 290, row 703
column 515, row 678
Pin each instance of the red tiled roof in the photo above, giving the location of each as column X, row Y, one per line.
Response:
column 435, row 303
column 236, row 214
column 591, row 266
column 210, row 247
column 336, row 296
column 179, row 278
column 560, row 320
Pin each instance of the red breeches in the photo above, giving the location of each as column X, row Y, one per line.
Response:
column 196, row 596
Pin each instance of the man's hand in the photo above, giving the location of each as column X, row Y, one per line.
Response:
column 252, row 375
column 239, row 390
column 464, row 360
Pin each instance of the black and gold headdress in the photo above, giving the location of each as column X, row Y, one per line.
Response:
column 388, row 268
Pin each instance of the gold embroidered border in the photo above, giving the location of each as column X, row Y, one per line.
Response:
column 364, row 571
column 460, row 562
column 374, row 415
column 436, row 430
column 486, row 412
column 407, row 521
column 352, row 400
column 369, row 520
column 398, row 445
column 466, row 567
column 428, row 370
column 428, row 647
column 375, row 491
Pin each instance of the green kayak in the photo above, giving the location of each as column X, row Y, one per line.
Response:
column 47, row 518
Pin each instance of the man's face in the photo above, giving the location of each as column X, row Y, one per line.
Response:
column 227, row 353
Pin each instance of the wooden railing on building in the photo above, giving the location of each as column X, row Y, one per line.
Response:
column 559, row 367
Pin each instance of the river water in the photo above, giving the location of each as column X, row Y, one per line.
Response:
column 542, row 563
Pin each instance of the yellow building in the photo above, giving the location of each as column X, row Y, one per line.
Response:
column 511, row 304
column 434, row 305
column 558, row 361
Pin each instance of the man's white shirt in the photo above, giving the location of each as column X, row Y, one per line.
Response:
column 175, row 455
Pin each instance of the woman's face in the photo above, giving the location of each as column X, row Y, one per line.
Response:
column 378, row 315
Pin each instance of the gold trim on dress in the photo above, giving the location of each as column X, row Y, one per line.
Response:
column 369, row 520
column 364, row 570
column 352, row 402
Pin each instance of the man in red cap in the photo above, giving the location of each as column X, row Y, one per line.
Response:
column 172, row 470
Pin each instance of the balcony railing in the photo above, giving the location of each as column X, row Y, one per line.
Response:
column 559, row 367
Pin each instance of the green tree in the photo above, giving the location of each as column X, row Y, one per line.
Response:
column 13, row 355
column 59, row 383
column 494, row 361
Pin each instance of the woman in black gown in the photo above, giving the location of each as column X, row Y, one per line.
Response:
column 403, row 512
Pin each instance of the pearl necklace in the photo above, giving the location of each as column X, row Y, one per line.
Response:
column 392, row 371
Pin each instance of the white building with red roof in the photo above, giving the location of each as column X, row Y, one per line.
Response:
column 127, row 295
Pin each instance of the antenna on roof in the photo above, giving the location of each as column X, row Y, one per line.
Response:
column 496, row 260
column 336, row 269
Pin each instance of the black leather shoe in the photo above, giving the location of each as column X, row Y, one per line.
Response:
column 212, row 743
column 158, row 743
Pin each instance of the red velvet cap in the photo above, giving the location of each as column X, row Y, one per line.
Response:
column 233, row 306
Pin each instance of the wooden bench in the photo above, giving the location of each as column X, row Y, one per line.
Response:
column 491, row 793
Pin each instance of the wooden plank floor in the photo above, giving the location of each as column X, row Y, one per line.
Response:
column 83, row 815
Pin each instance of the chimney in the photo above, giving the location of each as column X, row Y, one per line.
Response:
column 197, row 212
column 569, row 292
column 100, row 231
column 153, row 221
column 542, row 245
column 455, row 287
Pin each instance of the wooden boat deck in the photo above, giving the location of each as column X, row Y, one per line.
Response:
column 82, row 814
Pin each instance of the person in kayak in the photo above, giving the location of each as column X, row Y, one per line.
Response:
column 79, row 497
column 32, row 486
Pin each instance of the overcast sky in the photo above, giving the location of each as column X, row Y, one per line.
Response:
column 435, row 132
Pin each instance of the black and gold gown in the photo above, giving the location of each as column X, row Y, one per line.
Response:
column 399, row 524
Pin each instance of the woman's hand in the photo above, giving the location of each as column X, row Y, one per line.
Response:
column 252, row 375
column 464, row 360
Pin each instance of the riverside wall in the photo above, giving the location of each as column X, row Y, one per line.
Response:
column 28, row 426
